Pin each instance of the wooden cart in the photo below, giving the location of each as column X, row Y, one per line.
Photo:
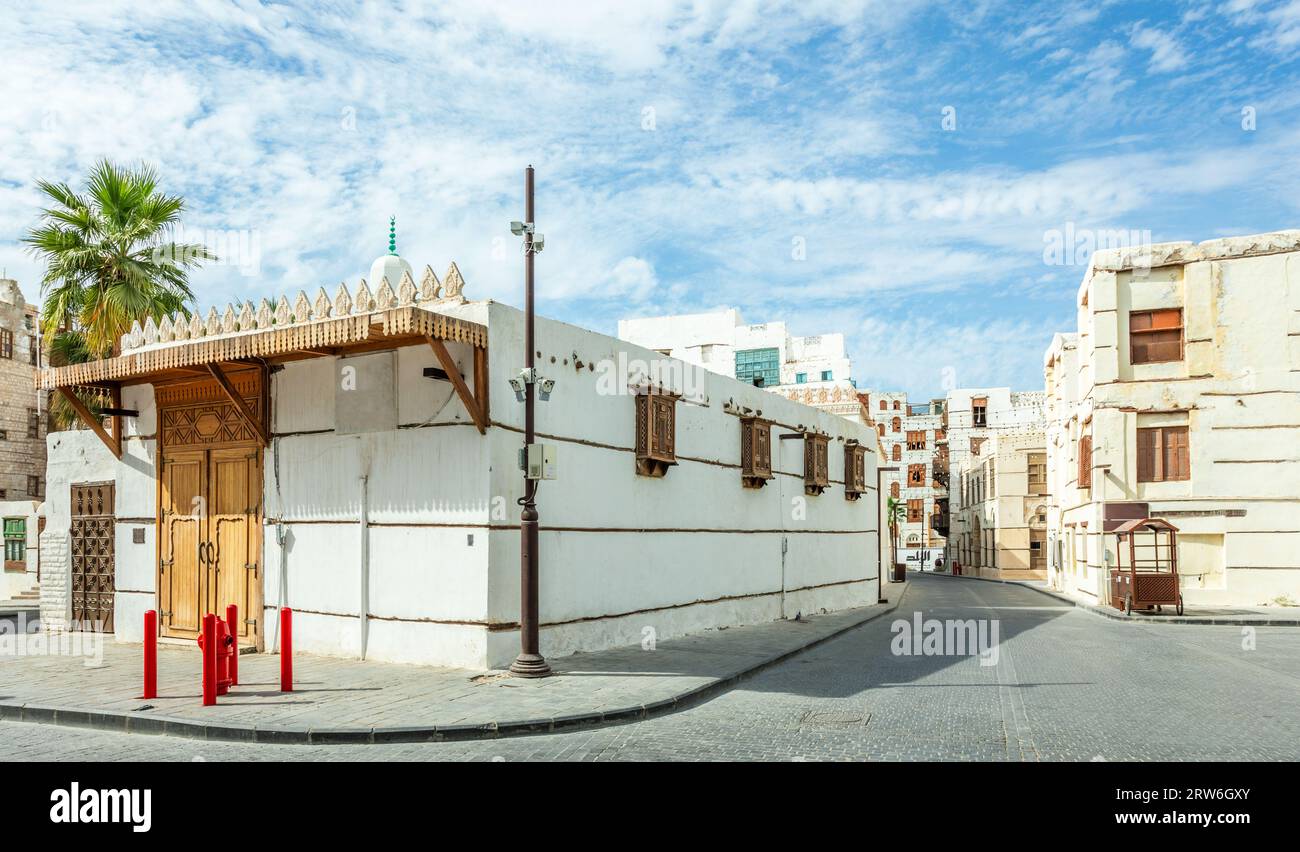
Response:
column 1145, row 575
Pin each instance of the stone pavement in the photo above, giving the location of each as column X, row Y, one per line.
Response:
column 1269, row 616
column 1067, row 686
column 348, row 701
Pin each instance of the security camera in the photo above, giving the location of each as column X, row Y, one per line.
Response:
column 517, row 228
column 517, row 384
column 539, row 242
column 544, row 388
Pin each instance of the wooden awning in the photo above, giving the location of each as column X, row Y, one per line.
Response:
column 405, row 325
column 319, row 337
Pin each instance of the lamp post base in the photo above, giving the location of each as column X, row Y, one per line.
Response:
column 530, row 665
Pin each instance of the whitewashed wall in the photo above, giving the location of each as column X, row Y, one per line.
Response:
column 690, row 551
column 620, row 553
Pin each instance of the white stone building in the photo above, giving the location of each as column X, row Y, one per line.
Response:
column 1003, row 508
column 814, row 370
column 350, row 458
column 913, row 438
column 1184, row 404
column 972, row 417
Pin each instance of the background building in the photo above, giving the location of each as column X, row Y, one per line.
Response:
column 814, row 370
column 1185, row 406
column 912, row 435
column 973, row 416
column 22, row 440
column 1003, row 508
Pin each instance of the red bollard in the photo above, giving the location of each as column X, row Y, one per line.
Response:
column 208, row 642
column 150, row 654
column 232, row 622
column 286, row 649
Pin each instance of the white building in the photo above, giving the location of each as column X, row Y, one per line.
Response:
column 1179, row 398
column 914, row 441
column 814, row 370
column 350, row 458
column 973, row 416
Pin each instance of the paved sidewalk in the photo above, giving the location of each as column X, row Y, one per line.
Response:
column 348, row 701
column 1263, row 616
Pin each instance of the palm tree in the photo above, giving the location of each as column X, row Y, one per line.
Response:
column 895, row 512
column 108, row 262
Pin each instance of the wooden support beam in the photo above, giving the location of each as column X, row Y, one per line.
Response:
column 481, row 390
column 115, row 398
column 241, row 407
column 83, row 413
column 476, row 411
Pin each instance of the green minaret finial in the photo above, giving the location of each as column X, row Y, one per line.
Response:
column 392, row 235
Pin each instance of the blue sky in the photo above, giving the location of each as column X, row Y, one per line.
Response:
column 791, row 159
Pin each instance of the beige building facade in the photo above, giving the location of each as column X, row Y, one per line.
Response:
column 1179, row 398
column 1004, row 508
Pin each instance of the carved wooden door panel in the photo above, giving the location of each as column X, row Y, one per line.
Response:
column 182, row 584
column 92, row 557
column 234, row 528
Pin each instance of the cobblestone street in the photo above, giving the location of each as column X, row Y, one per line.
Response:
column 1068, row 685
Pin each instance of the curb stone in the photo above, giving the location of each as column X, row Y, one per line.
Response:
column 1116, row 615
column 139, row 723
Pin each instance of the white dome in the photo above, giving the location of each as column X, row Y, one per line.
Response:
column 390, row 266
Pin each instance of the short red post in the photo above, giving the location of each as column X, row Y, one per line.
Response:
column 232, row 614
column 209, row 646
column 286, row 649
column 150, row 654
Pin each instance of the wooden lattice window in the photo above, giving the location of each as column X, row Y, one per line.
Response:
column 656, row 433
column 916, row 439
column 755, row 452
column 893, row 489
column 915, row 475
column 6, row 343
column 896, row 424
column 896, row 454
column 1155, row 336
column 855, row 470
column 915, row 510
column 816, row 466
column 1085, row 461
column 1037, row 473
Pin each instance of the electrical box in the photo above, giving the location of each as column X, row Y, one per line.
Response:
column 538, row 461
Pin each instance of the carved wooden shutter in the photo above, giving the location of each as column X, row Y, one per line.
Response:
column 855, row 470
column 656, row 440
column 816, row 469
column 755, row 452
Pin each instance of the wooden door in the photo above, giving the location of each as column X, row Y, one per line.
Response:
column 211, row 543
column 93, row 590
column 182, row 584
column 234, row 529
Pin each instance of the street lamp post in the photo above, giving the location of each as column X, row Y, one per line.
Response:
column 530, row 662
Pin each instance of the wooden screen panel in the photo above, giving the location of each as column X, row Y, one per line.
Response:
column 92, row 581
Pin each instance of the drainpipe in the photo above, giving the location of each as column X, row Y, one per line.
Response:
column 364, row 609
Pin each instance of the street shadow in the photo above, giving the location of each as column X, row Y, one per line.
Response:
column 820, row 671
